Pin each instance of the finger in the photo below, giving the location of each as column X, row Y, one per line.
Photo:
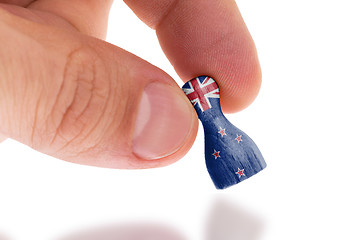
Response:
column 206, row 38
column 80, row 99
column 87, row 16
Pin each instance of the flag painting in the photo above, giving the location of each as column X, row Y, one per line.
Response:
column 231, row 156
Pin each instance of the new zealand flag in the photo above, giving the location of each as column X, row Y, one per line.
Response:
column 231, row 156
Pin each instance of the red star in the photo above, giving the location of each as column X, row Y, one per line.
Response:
column 216, row 154
column 239, row 138
column 240, row 172
column 222, row 132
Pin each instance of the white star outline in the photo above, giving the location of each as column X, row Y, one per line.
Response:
column 222, row 130
column 214, row 154
column 239, row 138
column 242, row 172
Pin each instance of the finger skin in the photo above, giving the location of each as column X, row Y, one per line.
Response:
column 87, row 16
column 60, row 92
column 206, row 38
column 21, row 3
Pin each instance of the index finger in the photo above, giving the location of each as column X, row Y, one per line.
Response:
column 206, row 38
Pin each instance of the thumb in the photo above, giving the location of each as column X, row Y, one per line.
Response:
column 83, row 100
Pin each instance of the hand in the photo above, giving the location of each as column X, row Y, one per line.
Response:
column 66, row 93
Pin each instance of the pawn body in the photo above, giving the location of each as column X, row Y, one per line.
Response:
column 231, row 156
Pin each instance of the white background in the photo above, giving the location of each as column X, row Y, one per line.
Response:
column 295, row 121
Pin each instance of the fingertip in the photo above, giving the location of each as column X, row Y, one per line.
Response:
column 141, row 163
column 240, row 85
column 239, row 77
column 164, row 122
column 182, row 151
column 212, row 39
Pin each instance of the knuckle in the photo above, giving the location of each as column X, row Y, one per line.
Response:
column 82, row 100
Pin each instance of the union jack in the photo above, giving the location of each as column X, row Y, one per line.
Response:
column 199, row 90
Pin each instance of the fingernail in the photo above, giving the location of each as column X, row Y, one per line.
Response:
column 163, row 123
